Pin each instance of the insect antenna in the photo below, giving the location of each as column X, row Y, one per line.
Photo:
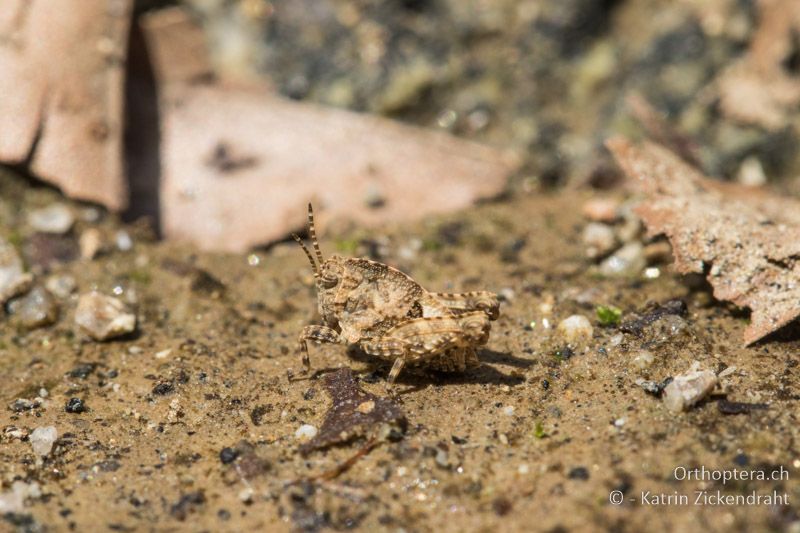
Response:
column 314, row 266
column 313, row 233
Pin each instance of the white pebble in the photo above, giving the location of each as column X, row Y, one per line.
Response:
column 687, row 389
column 56, row 218
column 599, row 239
column 508, row 410
column 246, row 495
column 61, row 286
column 42, row 440
column 305, row 432
column 103, row 317
column 627, row 261
column 123, row 241
column 751, row 173
column 643, row 359
column 576, row 329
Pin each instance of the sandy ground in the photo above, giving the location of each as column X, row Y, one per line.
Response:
column 536, row 438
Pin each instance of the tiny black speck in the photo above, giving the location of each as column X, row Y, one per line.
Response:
column 579, row 472
column 228, row 455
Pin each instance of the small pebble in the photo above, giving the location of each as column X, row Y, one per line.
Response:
column 575, row 329
column 55, row 218
column 507, row 294
column 751, row 173
column 42, row 439
column 75, row 405
column 13, row 279
column 123, row 241
column 246, row 495
column 628, row 261
column 90, row 243
column 687, row 389
column 599, row 239
column 36, row 309
column 442, row 458
column 61, row 286
column 305, row 432
column 579, row 472
column 601, row 210
column 508, row 410
column 103, row 317
column 643, row 359
column 228, row 455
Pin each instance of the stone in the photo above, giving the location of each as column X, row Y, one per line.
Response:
column 103, row 317
column 575, row 329
column 687, row 389
column 90, row 243
column 42, row 440
column 599, row 239
column 55, row 218
column 36, row 309
column 60, row 285
column 13, row 279
column 305, row 432
column 628, row 261
column 601, row 210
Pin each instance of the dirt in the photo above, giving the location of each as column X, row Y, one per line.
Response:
column 537, row 437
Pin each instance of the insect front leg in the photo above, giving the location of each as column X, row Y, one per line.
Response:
column 465, row 302
column 319, row 335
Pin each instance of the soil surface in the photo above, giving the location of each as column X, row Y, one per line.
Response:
column 536, row 438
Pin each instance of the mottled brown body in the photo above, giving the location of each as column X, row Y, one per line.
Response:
column 389, row 315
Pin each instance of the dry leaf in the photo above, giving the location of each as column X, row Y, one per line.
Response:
column 354, row 413
column 747, row 242
column 239, row 163
column 62, row 64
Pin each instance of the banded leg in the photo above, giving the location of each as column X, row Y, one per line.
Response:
column 319, row 335
column 417, row 340
column 465, row 302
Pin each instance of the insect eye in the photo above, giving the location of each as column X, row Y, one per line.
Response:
column 328, row 281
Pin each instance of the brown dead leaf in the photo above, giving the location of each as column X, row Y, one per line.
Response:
column 747, row 242
column 239, row 163
column 62, row 65
column 757, row 89
column 354, row 413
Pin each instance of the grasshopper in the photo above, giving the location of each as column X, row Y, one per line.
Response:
column 389, row 315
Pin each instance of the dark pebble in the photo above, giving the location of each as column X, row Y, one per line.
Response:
column 579, row 472
column 228, row 455
column 741, row 459
column 82, row 370
column 501, row 506
column 545, row 384
column 164, row 388
column 75, row 405
column 458, row 440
